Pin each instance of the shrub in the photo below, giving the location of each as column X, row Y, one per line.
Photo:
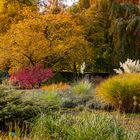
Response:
column 81, row 87
column 75, row 101
column 79, row 94
column 57, row 87
column 31, row 76
column 120, row 91
column 20, row 106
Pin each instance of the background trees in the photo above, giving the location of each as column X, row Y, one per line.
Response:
column 10, row 12
column 97, row 26
column 55, row 40
column 101, row 34
column 24, row 44
column 125, row 31
column 113, row 31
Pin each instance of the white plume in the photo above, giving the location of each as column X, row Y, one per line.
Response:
column 129, row 66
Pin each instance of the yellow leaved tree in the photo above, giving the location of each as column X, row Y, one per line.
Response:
column 57, row 41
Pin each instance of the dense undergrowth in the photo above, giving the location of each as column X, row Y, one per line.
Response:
column 83, row 125
column 52, row 113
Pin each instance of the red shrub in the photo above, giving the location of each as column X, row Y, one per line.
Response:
column 31, row 76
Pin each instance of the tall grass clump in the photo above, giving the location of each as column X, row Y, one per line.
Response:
column 122, row 91
column 81, row 126
column 81, row 87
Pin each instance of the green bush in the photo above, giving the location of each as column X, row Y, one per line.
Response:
column 122, row 91
column 24, row 105
column 78, row 100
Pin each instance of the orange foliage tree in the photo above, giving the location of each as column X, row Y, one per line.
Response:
column 55, row 40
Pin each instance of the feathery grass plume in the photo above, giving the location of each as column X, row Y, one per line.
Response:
column 129, row 66
column 82, row 68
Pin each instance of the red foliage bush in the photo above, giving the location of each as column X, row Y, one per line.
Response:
column 31, row 76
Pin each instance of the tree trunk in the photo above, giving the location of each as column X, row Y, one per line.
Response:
column 74, row 71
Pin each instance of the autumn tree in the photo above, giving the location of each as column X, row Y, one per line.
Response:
column 55, row 40
column 24, row 44
column 96, row 22
column 67, row 35
column 11, row 12
column 84, row 4
column 113, row 29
